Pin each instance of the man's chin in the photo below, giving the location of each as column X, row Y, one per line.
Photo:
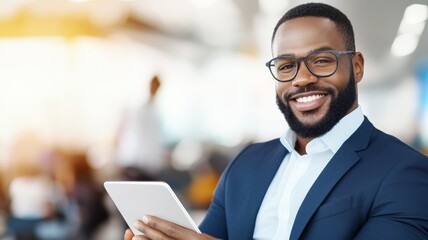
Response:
column 310, row 118
column 310, row 125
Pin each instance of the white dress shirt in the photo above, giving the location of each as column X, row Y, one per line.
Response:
column 296, row 175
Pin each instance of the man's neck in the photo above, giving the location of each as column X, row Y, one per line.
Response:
column 301, row 143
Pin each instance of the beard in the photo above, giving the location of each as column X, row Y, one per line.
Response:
column 338, row 108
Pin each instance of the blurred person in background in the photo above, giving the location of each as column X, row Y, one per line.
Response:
column 140, row 149
column 332, row 174
column 84, row 192
column 35, row 197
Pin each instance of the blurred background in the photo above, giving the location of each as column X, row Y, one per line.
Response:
column 96, row 90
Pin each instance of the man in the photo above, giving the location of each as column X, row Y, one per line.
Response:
column 333, row 175
column 139, row 149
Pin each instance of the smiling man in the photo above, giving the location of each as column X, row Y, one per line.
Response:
column 310, row 106
column 332, row 174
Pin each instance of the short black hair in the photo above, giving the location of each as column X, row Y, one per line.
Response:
column 322, row 10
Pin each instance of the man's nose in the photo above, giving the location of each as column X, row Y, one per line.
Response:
column 304, row 77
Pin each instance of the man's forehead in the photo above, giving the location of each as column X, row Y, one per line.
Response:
column 305, row 34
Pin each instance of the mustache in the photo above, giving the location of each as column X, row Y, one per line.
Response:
column 309, row 88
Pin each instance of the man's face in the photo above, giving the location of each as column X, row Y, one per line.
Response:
column 313, row 105
column 338, row 108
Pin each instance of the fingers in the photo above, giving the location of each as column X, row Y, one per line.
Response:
column 128, row 235
column 159, row 229
column 168, row 228
column 140, row 237
column 155, row 228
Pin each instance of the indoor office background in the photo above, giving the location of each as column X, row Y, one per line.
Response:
column 75, row 89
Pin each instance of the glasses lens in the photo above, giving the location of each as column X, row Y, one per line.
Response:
column 322, row 64
column 284, row 68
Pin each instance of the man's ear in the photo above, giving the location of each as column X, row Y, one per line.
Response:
column 358, row 64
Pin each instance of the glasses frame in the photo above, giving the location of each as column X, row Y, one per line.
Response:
column 337, row 54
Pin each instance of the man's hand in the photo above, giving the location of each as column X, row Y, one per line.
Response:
column 155, row 228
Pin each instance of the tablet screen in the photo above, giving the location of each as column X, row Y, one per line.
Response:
column 136, row 199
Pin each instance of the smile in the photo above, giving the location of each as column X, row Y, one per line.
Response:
column 310, row 98
column 309, row 101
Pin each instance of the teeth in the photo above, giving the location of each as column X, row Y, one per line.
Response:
column 308, row 98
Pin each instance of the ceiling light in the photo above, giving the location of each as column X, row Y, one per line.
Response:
column 415, row 28
column 404, row 45
column 411, row 27
column 415, row 13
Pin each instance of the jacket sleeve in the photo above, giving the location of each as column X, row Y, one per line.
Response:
column 214, row 223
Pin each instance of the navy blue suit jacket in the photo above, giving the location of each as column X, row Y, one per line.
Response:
column 375, row 187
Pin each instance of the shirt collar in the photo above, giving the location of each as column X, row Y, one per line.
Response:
column 334, row 138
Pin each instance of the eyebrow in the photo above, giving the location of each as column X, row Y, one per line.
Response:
column 312, row 51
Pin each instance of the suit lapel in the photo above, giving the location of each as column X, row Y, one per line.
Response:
column 341, row 162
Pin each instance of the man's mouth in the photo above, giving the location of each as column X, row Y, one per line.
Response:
column 308, row 101
column 310, row 98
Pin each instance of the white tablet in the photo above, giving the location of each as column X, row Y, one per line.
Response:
column 136, row 199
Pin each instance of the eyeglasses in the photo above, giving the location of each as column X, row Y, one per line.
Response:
column 320, row 63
